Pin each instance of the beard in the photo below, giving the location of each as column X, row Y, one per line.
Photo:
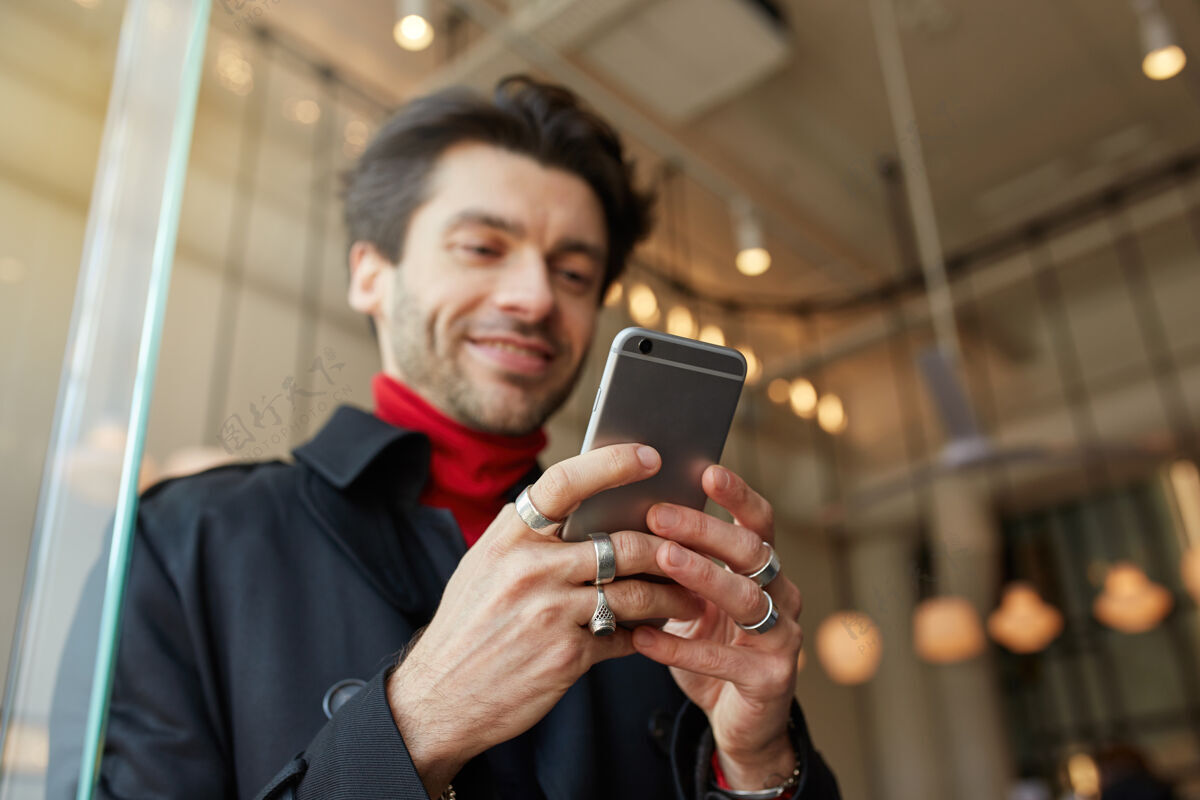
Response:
column 431, row 368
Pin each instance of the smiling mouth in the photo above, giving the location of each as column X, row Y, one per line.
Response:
column 514, row 358
column 517, row 349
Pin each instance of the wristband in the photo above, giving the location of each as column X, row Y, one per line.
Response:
column 784, row 790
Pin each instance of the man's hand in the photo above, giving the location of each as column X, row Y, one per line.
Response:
column 510, row 637
column 744, row 682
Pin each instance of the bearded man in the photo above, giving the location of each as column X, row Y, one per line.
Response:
column 380, row 618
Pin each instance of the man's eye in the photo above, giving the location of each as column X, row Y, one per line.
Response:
column 480, row 250
column 576, row 279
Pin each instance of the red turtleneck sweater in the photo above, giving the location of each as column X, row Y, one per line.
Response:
column 470, row 471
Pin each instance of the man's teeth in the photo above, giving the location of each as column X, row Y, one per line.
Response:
column 516, row 348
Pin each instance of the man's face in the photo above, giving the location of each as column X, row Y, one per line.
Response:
column 493, row 304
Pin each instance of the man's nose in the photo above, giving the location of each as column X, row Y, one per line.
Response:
column 524, row 289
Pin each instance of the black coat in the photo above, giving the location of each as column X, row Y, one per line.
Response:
column 256, row 589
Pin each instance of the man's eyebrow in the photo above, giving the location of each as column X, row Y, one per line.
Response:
column 487, row 219
column 582, row 247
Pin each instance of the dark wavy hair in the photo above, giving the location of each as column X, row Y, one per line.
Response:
column 545, row 122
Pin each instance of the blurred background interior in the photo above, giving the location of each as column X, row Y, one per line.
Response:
column 970, row 301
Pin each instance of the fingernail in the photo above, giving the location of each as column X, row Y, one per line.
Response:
column 666, row 517
column 648, row 456
column 642, row 637
column 721, row 478
column 675, row 555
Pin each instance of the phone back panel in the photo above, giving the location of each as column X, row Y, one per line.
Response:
column 680, row 399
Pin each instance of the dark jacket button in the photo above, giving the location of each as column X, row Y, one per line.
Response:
column 660, row 730
column 337, row 695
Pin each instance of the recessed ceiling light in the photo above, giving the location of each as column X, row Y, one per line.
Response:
column 413, row 29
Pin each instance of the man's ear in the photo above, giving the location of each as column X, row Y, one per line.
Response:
column 370, row 273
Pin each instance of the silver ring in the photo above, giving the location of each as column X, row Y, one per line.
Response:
column 536, row 520
column 767, row 622
column 768, row 571
column 603, row 622
column 606, row 558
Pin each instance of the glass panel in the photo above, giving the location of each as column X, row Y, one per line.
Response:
column 91, row 474
column 55, row 79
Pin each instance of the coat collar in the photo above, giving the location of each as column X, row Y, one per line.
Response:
column 354, row 442
column 362, row 487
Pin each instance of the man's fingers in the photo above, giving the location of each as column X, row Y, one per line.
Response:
column 764, row 674
column 619, row 645
column 741, row 548
column 733, row 494
column 632, row 600
column 635, row 554
column 787, row 596
column 702, row 656
column 736, row 595
column 568, row 483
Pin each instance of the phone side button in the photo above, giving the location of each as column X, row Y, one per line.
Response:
column 596, row 402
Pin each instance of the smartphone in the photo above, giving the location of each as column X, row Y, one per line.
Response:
column 676, row 395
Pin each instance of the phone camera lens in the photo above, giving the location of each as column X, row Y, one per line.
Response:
column 645, row 346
